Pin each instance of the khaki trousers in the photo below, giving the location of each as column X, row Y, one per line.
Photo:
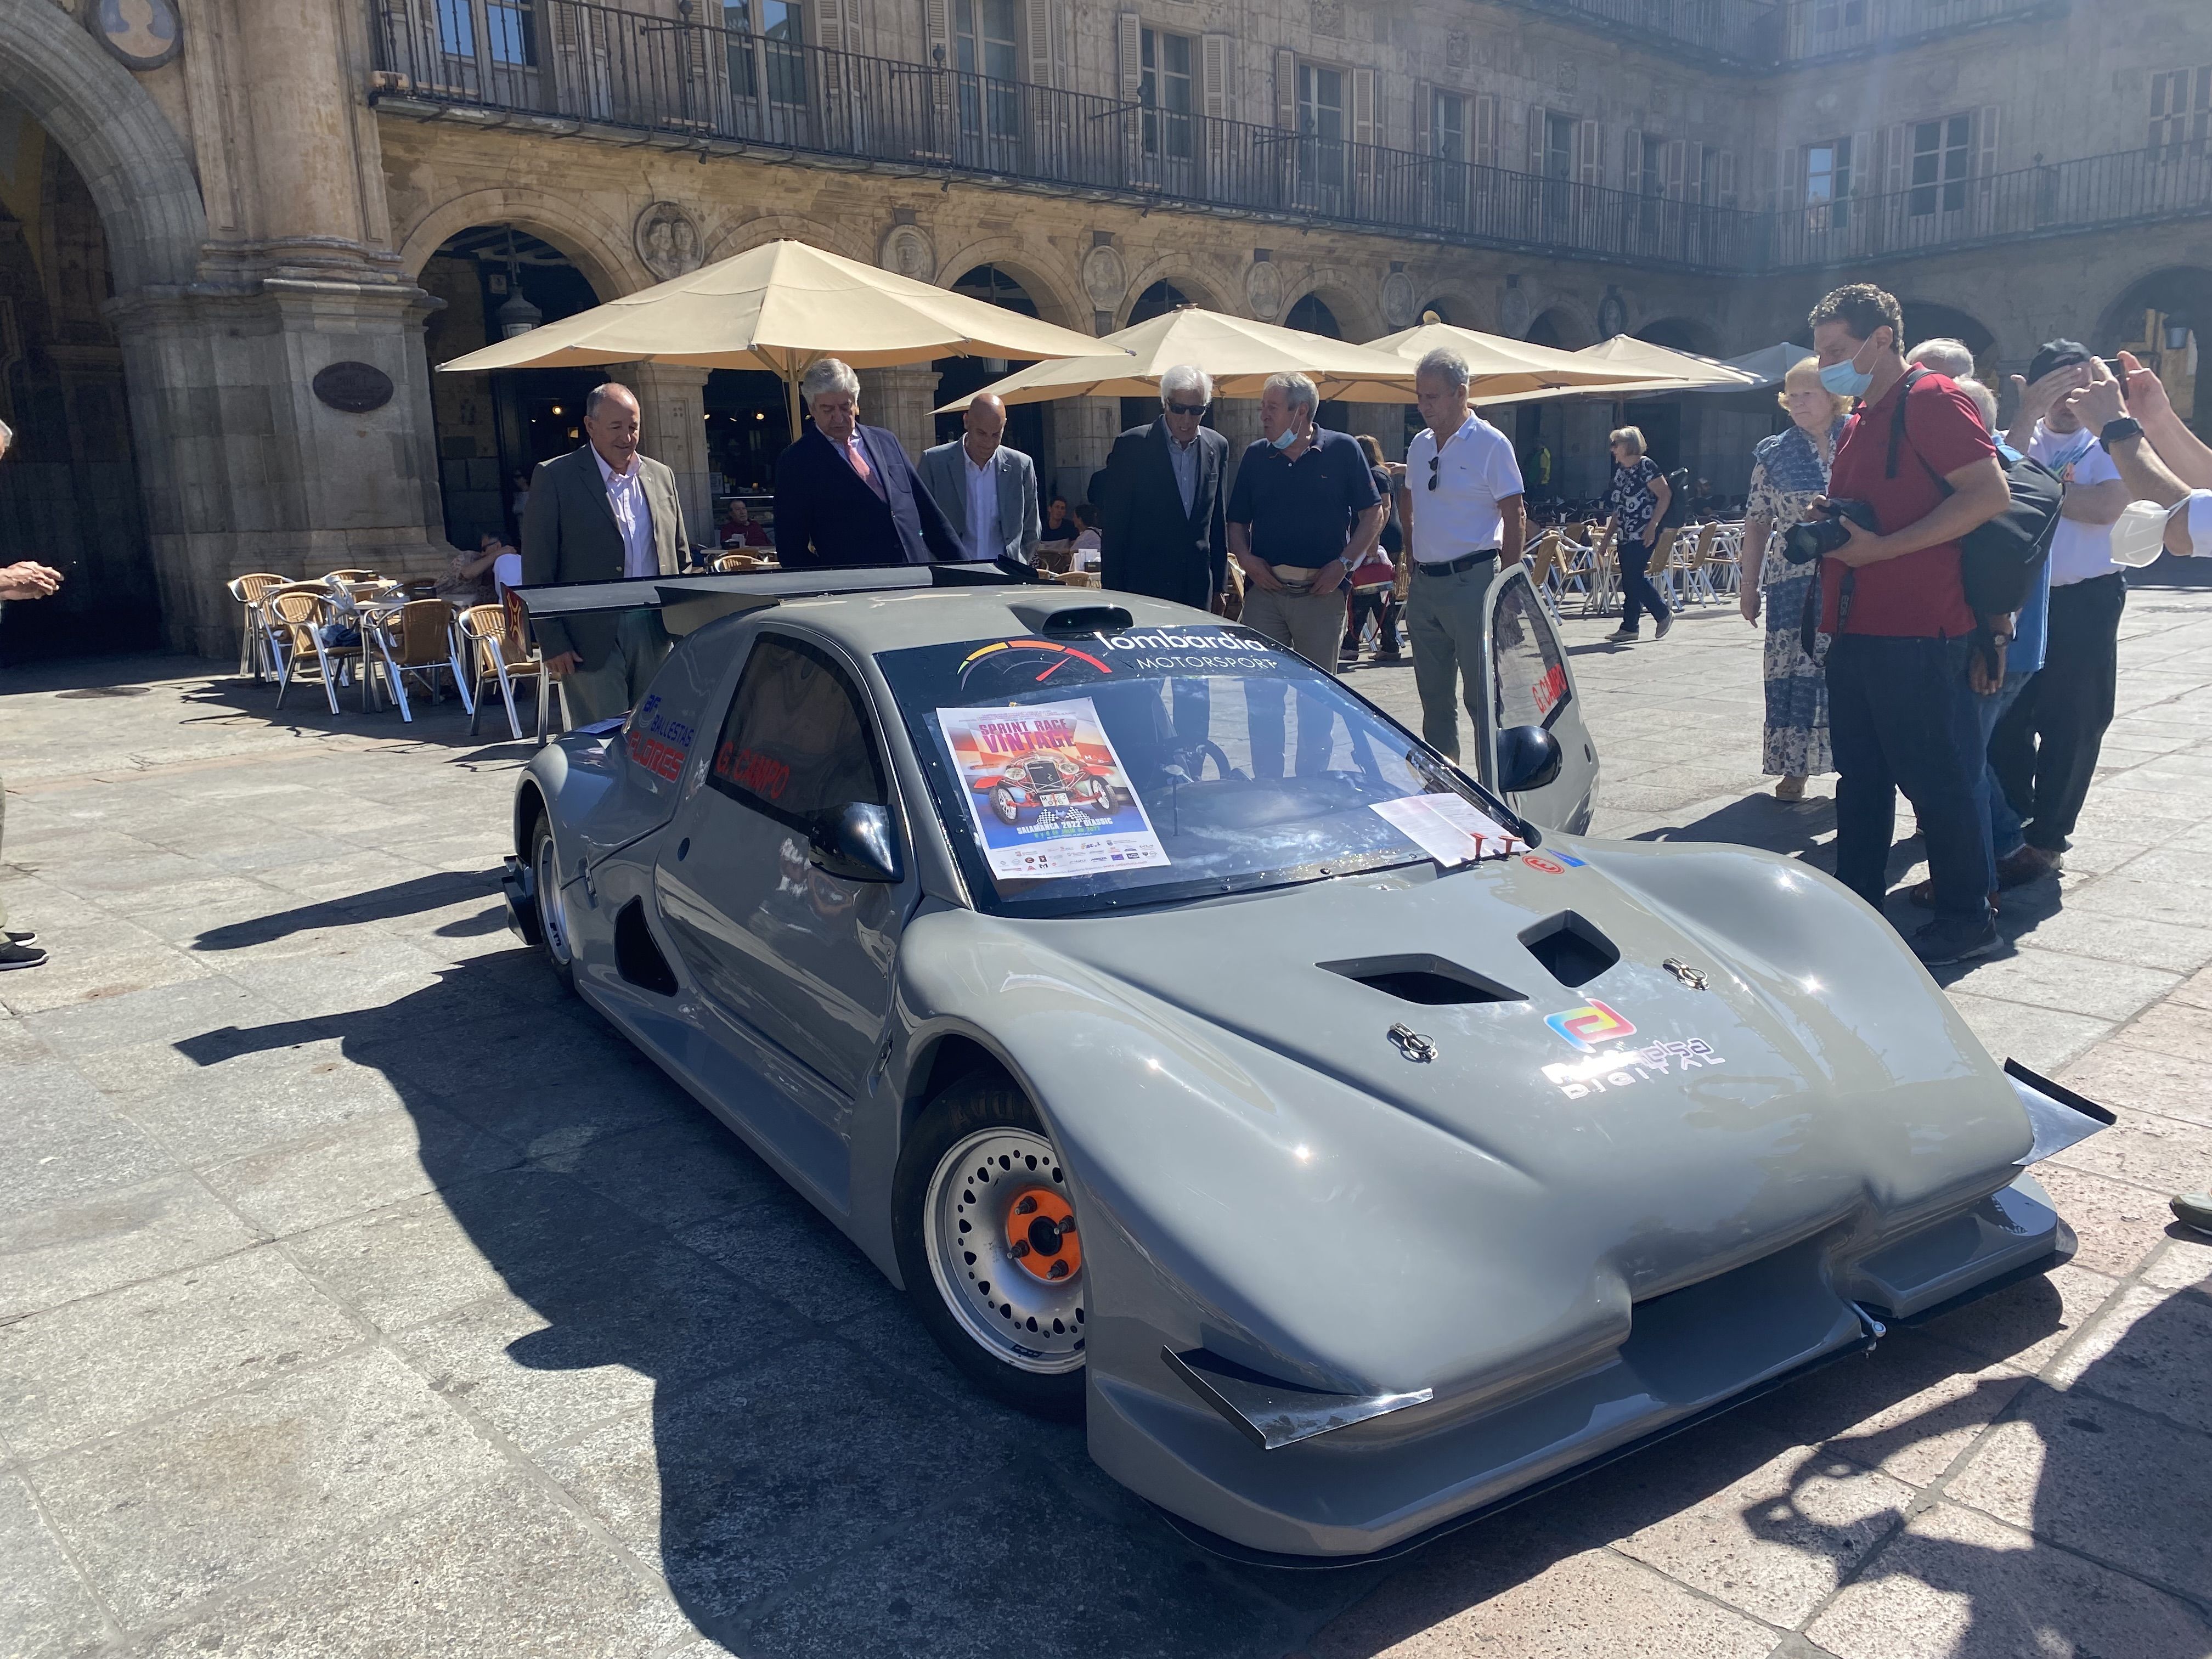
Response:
column 616, row 686
column 1445, row 620
column 1312, row 625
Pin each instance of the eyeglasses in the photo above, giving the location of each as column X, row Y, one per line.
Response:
column 1190, row 410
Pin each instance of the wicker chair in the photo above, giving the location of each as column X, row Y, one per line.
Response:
column 253, row 647
column 297, row 615
column 420, row 639
column 493, row 642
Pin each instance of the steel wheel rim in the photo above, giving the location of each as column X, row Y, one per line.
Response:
column 1007, row 1308
column 552, row 913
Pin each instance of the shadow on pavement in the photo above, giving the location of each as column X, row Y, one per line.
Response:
column 1759, row 820
column 404, row 898
column 801, row 1465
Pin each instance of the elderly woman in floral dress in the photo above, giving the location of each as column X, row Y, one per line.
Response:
column 1788, row 471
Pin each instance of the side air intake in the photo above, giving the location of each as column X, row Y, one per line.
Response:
column 637, row 958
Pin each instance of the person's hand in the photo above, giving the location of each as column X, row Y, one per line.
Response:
column 1331, row 576
column 2098, row 404
column 1650, row 536
column 2146, row 392
column 28, row 579
column 1747, row 602
column 1862, row 547
column 2036, row 401
column 566, row 663
column 1985, row 669
column 1260, row 575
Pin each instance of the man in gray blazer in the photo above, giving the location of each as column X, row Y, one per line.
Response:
column 985, row 490
column 599, row 514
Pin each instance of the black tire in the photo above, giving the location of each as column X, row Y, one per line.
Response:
column 980, row 1104
column 555, row 943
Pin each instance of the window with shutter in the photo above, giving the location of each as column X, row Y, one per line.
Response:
column 1286, row 89
column 1589, row 160
column 1128, row 54
column 1941, row 161
column 1485, row 130
column 1217, row 61
column 1724, row 174
column 1163, row 88
column 1036, row 31
column 1363, row 116
column 1540, row 124
column 2180, row 112
column 1985, row 147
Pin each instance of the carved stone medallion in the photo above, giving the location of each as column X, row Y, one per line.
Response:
column 1105, row 277
column 1397, row 299
column 1263, row 289
column 906, row 249
column 668, row 242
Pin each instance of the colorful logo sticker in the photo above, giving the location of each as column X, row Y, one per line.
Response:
column 1589, row 1025
column 1549, row 867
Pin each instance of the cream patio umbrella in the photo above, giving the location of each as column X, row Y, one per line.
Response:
column 1499, row 367
column 1658, row 371
column 782, row 307
column 1237, row 352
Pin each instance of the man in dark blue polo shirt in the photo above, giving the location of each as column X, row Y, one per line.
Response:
column 1303, row 512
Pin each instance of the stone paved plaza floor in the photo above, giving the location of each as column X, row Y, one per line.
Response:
column 362, row 1295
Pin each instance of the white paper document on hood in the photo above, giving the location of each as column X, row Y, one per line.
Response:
column 1450, row 830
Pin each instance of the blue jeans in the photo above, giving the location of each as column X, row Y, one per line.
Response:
column 1637, row 588
column 1901, row 716
column 2005, row 836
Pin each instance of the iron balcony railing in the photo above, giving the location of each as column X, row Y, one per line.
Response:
column 705, row 82
column 1816, row 29
column 2133, row 186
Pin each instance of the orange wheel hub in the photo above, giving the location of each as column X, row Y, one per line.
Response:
column 1041, row 1235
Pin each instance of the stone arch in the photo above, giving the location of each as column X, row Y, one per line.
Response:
column 1174, row 269
column 746, row 234
column 1926, row 319
column 597, row 249
column 1017, row 260
column 2183, row 291
column 1570, row 320
column 131, row 160
column 1359, row 316
column 1680, row 334
column 1460, row 307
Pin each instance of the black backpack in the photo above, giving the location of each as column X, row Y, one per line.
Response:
column 1678, row 499
column 1997, row 560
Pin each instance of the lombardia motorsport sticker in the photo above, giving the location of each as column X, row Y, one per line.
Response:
column 1048, row 794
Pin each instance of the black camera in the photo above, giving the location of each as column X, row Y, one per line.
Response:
column 1809, row 539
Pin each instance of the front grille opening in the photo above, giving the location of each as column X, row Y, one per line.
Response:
column 637, row 958
column 1572, row 950
column 1429, row 981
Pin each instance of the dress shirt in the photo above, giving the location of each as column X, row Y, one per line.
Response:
column 1475, row 470
column 632, row 518
column 856, row 457
column 984, row 541
column 1183, row 458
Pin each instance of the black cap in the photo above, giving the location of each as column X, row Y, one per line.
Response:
column 2053, row 355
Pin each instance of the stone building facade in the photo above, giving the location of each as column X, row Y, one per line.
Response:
column 236, row 236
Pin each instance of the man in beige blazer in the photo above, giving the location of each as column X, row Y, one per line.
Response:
column 601, row 514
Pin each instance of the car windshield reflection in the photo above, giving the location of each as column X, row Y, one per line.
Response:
column 1078, row 774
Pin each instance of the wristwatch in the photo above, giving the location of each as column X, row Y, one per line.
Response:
column 2119, row 431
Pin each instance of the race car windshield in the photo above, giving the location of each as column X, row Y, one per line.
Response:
column 1079, row 775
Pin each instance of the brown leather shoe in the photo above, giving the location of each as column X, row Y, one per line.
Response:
column 2025, row 864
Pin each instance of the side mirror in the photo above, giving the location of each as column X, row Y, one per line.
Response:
column 854, row 842
column 1528, row 758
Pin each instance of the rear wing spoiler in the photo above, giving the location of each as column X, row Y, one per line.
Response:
column 687, row 603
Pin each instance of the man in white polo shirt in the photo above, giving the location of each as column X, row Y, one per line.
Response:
column 1461, row 506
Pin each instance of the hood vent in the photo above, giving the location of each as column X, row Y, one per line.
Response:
column 1429, row 981
column 1572, row 950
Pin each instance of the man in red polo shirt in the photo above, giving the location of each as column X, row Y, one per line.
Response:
column 1901, row 708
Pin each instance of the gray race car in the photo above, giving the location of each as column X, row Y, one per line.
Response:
column 1351, row 1148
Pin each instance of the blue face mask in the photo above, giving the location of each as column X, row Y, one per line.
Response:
column 1847, row 379
column 1290, row 436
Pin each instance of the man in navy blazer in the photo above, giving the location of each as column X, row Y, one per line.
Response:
column 846, row 494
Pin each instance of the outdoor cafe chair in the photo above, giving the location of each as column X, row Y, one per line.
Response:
column 492, row 636
column 418, row 638
column 299, row 614
column 249, row 590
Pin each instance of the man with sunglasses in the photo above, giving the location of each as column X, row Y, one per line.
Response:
column 1162, row 497
column 1461, row 506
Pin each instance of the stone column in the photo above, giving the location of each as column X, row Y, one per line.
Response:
column 901, row 400
column 243, row 467
column 1387, row 422
column 1084, row 433
column 673, row 400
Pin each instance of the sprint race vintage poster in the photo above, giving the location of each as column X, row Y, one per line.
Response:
column 1048, row 794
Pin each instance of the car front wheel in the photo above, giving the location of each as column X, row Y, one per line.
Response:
column 990, row 1249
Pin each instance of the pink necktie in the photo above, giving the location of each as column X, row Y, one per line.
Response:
column 859, row 458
